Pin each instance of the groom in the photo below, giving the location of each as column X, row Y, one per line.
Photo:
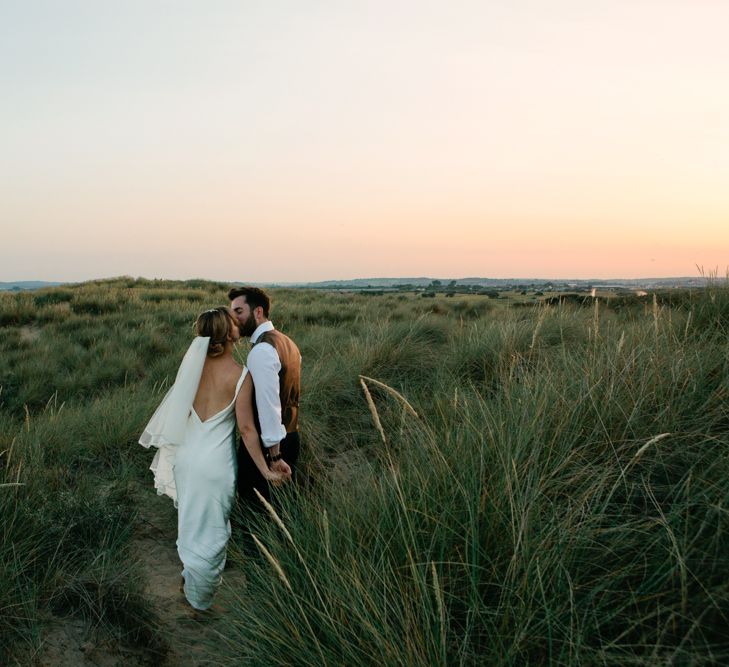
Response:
column 274, row 363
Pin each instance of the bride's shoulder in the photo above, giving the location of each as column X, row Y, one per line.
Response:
column 236, row 371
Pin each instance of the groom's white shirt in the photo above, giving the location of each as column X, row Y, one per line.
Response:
column 263, row 365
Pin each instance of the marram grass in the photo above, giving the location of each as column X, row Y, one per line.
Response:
column 560, row 498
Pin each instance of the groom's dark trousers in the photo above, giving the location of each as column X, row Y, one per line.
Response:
column 250, row 478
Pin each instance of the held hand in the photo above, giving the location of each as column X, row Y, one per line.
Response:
column 276, row 478
column 282, row 467
column 279, row 473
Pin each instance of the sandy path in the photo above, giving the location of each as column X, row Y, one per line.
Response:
column 189, row 638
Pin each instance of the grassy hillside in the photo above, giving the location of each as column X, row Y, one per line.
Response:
column 559, row 496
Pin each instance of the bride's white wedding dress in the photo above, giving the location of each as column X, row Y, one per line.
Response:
column 205, row 469
column 195, row 465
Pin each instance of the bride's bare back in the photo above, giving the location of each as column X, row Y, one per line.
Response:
column 217, row 386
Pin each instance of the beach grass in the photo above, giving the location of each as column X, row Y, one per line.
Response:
column 480, row 484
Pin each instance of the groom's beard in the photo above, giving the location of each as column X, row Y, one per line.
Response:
column 248, row 327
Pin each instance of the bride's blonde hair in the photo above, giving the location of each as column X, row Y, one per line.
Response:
column 216, row 323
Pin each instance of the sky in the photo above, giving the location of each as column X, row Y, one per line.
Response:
column 274, row 141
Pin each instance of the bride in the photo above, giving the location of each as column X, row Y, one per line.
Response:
column 195, row 464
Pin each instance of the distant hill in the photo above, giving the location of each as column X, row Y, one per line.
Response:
column 421, row 282
column 504, row 283
column 370, row 282
column 27, row 285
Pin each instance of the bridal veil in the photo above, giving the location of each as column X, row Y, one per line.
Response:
column 166, row 429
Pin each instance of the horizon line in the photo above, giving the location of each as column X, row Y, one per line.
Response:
column 515, row 278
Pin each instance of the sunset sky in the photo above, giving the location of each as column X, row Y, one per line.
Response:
column 298, row 141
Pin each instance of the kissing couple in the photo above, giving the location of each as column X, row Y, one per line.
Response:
column 193, row 430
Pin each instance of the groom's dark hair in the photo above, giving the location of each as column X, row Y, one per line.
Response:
column 255, row 297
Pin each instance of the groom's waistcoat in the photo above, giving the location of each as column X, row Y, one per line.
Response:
column 289, row 378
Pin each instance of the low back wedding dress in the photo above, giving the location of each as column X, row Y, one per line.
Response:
column 205, row 470
column 196, row 466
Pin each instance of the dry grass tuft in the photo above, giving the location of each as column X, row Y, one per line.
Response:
column 373, row 410
column 393, row 392
column 274, row 563
column 274, row 515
